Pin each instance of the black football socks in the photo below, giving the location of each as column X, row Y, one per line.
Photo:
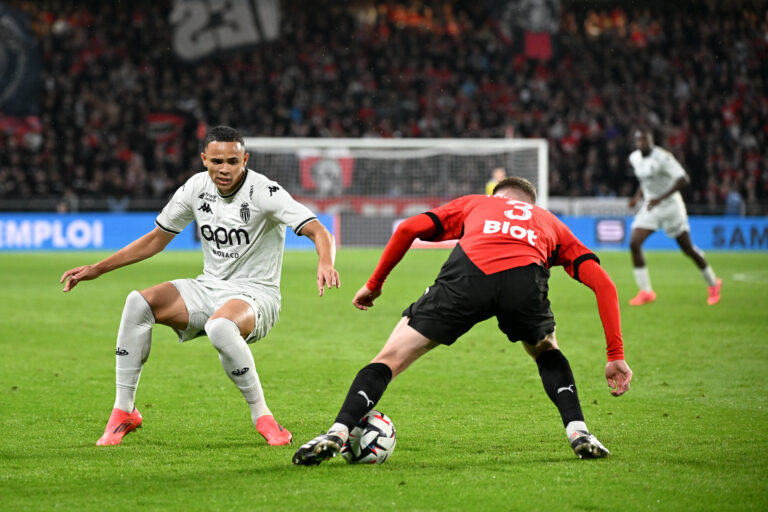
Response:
column 559, row 384
column 364, row 393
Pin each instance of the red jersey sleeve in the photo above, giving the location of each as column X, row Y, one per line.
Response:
column 420, row 226
column 593, row 275
column 584, row 266
column 569, row 252
column 449, row 219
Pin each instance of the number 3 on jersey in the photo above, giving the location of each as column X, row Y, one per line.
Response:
column 520, row 211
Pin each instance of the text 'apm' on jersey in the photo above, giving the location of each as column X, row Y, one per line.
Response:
column 223, row 237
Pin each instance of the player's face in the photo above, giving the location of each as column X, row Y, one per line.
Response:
column 643, row 142
column 225, row 162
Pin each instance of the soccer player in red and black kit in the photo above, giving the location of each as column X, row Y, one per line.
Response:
column 498, row 268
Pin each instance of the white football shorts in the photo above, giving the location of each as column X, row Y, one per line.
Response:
column 670, row 216
column 204, row 297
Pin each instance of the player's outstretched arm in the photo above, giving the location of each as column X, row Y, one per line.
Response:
column 618, row 375
column 325, row 244
column 364, row 298
column 140, row 249
column 407, row 231
column 617, row 372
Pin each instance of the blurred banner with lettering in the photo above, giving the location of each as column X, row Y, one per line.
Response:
column 529, row 26
column 20, row 64
column 202, row 28
column 105, row 231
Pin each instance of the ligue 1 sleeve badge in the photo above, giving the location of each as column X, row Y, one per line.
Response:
column 245, row 212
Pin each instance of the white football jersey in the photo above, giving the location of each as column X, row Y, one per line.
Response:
column 242, row 234
column 657, row 173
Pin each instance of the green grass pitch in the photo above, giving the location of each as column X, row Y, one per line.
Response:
column 475, row 428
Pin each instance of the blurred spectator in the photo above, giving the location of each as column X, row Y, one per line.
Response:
column 497, row 175
column 734, row 204
column 120, row 115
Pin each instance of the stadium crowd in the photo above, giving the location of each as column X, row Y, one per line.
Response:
column 121, row 116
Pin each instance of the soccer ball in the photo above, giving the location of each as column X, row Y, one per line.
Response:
column 372, row 441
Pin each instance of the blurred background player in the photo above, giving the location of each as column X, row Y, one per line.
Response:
column 661, row 178
column 242, row 217
column 500, row 267
column 497, row 175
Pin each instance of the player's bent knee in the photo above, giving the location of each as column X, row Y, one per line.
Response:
column 137, row 309
column 397, row 360
column 222, row 332
column 548, row 342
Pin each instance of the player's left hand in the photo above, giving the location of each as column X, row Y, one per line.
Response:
column 618, row 375
column 71, row 277
column 364, row 298
column 653, row 202
column 327, row 276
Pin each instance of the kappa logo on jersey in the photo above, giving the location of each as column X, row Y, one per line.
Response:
column 272, row 189
column 245, row 212
column 205, row 207
column 222, row 236
column 240, row 371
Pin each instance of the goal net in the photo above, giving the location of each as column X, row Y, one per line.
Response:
column 371, row 184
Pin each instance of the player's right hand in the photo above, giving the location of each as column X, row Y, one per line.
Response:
column 74, row 275
column 364, row 298
column 618, row 375
column 327, row 276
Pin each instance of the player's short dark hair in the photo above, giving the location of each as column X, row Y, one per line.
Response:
column 518, row 183
column 223, row 134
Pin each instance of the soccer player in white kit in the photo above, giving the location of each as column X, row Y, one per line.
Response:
column 661, row 178
column 241, row 216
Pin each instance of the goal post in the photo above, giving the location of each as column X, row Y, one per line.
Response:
column 371, row 183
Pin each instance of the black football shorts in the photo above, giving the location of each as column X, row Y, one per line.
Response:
column 455, row 302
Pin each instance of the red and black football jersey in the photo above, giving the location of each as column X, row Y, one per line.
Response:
column 497, row 233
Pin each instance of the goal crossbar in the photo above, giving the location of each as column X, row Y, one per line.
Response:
column 413, row 148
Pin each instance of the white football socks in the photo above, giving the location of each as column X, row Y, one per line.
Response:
column 340, row 429
column 709, row 275
column 237, row 360
column 573, row 426
column 134, row 340
column 642, row 279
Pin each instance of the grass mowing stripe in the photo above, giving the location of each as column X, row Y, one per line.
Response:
column 475, row 429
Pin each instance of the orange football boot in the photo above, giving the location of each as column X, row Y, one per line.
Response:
column 273, row 432
column 643, row 297
column 714, row 293
column 120, row 423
